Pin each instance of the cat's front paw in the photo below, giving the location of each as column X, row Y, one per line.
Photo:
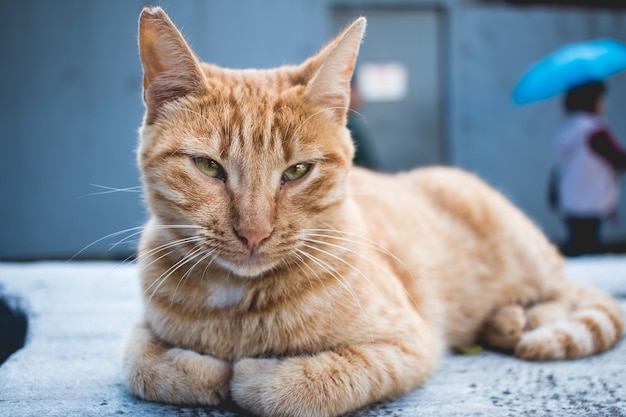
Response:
column 292, row 387
column 276, row 388
column 178, row 376
column 251, row 386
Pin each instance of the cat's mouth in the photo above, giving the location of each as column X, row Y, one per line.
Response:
column 250, row 266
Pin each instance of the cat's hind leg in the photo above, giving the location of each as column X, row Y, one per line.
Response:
column 504, row 327
column 582, row 321
column 547, row 312
column 157, row 372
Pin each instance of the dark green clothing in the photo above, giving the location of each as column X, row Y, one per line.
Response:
column 365, row 156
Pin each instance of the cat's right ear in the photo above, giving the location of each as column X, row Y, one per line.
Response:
column 170, row 68
column 330, row 86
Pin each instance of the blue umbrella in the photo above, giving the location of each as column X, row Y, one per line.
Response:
column 570, row 66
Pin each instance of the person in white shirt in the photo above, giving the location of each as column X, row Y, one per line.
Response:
column 588, row 160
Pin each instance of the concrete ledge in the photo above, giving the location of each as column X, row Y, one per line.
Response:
column 79, row 314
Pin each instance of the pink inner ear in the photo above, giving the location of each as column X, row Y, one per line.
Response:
column 153, row 27
column 347, row 72
column 150, row 59
column 330, row 87
column 171, row 69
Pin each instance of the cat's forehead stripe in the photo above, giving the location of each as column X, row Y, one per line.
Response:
column 256, row 118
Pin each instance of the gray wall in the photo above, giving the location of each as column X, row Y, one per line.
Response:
column 71, row 101
column 69, row 111
column 71, row 105
column 511, row 146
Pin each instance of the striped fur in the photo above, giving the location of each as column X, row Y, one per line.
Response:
column 317, row 296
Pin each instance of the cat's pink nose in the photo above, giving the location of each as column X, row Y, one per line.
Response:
column 252, row 237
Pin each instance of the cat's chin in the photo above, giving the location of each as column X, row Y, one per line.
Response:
column 250, row 267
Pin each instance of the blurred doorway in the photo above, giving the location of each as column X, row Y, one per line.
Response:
column 399, row 75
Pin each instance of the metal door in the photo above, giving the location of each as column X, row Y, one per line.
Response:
column 399, row 75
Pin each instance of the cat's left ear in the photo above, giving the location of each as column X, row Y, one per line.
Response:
column 330, row 86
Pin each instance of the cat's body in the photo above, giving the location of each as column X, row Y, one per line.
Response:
column 275, row 273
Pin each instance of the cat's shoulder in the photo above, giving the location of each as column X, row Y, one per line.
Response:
column 437, row 188
column 431, row 177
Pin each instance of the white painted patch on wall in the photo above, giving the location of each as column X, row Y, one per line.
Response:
column 383, row 81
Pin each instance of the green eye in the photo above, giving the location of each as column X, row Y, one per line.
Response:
column 295, row 172
column 210, row 168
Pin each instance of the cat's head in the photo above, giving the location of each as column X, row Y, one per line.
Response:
column 248, row 159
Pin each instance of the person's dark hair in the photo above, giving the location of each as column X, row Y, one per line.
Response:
column 584, row 97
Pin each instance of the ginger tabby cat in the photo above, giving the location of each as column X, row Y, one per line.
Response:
column 276, row 274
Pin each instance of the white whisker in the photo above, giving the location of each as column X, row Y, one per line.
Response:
column 155, row 227
column 109, row 236
column 301, row 262
column 338, row 258
column 368, row 243
column 188, row 258
column 330, row 271
column 203, row 258
column 135, row 231
column 359, row 114
column 166, row 246
column 110, row 190
column 333, row 272
column 313, row 115
column 171, row 270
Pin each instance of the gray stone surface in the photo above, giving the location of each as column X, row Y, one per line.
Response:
column 79, row 314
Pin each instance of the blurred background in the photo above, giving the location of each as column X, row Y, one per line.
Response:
column 435, row 79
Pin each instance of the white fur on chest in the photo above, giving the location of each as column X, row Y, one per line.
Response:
column 225, row 295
